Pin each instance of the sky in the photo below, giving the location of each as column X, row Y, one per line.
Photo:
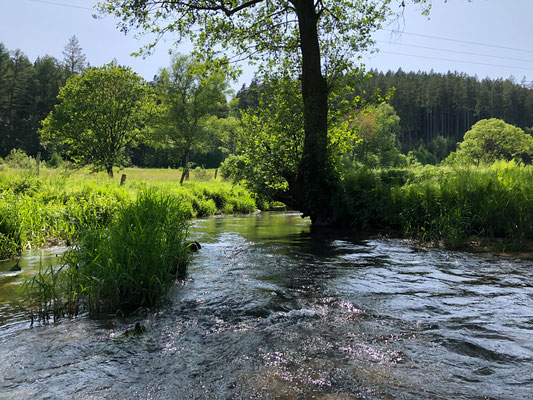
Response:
column 483, row 38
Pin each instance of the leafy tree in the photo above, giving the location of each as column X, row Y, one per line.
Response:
column 224, row 133
column 189, row 96
column 493, row 139
column 378, row 127
column 99, row 114
column 314, row 41
column 270, row 144
column 74, row 61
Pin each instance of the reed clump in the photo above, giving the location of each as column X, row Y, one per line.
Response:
column 129, row 264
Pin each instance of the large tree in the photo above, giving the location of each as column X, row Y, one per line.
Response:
column 188, row 96
column 99, row 114
column 314, row 41
column 492, row 139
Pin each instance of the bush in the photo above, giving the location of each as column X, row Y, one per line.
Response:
column 19, row 159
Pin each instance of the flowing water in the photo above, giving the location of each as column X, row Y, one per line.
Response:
column 273, row 310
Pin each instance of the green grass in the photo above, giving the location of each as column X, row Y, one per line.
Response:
column 449, row 206
column 128, row 242
column 55, row 207
column 129, row 264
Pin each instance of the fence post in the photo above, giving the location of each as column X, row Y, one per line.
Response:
column 38, row 162
column 122, row 179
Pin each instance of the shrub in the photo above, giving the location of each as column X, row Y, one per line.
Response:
column 18, row 158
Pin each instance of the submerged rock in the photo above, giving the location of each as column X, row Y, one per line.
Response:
column 194, row 246
column 137, row 331
column 15, row 267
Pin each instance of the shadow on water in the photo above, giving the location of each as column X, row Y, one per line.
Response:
column 273, row 310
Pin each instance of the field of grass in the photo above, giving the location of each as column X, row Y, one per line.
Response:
column 54, row 207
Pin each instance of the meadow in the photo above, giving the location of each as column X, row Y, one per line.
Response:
column 54, row 207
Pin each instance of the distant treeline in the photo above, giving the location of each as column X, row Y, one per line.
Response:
column 28, row 92
column 431, row 104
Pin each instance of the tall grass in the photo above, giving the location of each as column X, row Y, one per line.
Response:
column 129, row 264
column 450, row 206
column 54, row 208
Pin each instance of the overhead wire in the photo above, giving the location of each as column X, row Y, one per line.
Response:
column 457, row 40
column 459, row 61
column 454, row 51
column 403, row 44
column 61, row 4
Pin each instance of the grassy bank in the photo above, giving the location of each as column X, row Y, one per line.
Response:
column 55, row 207
column 453, row 207
column 129, row 264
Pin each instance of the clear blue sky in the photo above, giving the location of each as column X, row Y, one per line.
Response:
column 40, row 27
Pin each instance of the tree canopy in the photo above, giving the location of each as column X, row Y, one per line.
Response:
column 99, row 114
column 492, row 139
column 188, row 96
column 313, row 41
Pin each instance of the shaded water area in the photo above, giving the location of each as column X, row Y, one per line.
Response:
column 272, row 310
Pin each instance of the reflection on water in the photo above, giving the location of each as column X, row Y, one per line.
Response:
column 273, row 310
column 11, row 291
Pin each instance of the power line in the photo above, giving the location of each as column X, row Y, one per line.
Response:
column 454, row 51
column 458, row 41
column 61, row 4
column 459, row 61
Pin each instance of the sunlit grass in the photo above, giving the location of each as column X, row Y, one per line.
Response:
column 450, row 206
column 54, row 207
column 128, row 264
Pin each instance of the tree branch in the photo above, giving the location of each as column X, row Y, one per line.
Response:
column 220, row 7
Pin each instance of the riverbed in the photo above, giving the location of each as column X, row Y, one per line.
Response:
column 271, row 309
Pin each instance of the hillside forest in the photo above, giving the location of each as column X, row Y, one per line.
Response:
column 427, row 114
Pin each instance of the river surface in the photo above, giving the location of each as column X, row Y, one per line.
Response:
column 273, row 310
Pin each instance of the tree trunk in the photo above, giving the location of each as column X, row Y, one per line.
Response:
column 316, row 182
column 185, row 172
column 109, row 170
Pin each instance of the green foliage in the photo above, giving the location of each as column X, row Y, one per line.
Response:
column 127, row 265
column 447, row 105
column 437, row 150
column 189, row 96
column 271, row 142
column 42, row 211
column 421, row 156
column 446, row 206
column 490, row 140
column 99, row 114
column 55, row 160
column 18, row 158
column 262, row 31
column 376, row 146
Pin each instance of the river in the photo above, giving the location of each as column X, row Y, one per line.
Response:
column 273, row 310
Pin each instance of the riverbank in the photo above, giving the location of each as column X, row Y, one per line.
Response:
column 53, row 208
column 457, row 208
